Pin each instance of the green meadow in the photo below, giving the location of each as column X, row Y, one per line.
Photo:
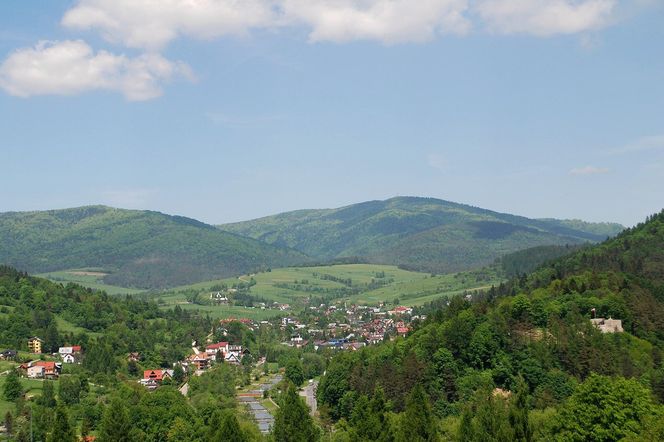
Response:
column 92, row 278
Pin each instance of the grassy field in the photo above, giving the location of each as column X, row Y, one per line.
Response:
column 33, row 387
column 375, row 283
column 229, row 311
column 91, row 278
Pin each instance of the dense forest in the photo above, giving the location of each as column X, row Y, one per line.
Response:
column 140, row 249
column 424, row 234
column 521, row 361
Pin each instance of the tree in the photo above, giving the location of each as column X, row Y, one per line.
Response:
column 418, row 424
column 229, row 429
column 606, row 409
column 12, row 389
column 294, row 372
column 518, row 414
column 47, row 398
column 178, row 374
column 62, row 429
column 69, row 389
column 9, row 423
column 292, row 422
column 115, row 425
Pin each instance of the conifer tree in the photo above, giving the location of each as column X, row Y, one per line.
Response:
column 115, row 425
column 12, row 389
column 229, row 429
column 62, row 430
column 293, row 422
column 47, row 398
column 518, row 415
column 419, row 423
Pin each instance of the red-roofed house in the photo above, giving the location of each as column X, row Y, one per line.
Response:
column 212, row 349
column 44, row 369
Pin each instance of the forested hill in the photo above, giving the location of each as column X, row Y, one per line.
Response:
column 523, row 361
column 418, row 233
column 141, row 249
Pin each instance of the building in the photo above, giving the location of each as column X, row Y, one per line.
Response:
column 153, row 378
column 35, row 345
column 608, row 325
column 70, row 355
column 8, row 355
column 44, row 370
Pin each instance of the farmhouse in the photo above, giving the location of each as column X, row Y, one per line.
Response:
column 44, row 370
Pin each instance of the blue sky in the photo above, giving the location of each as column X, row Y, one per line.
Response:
column 543, row 108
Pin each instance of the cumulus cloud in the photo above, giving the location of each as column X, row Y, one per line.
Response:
column 588, row 170
column 152, row 24
column 545, row 17
column 72, row 67
column 388, row 21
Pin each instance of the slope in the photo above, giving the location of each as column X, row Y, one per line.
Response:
column 137, row 248
column 418, row 233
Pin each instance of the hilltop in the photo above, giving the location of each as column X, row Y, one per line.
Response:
column 142, row 249
column 417, row 233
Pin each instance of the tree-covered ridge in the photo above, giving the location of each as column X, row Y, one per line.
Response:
column 418, row 233
column 139, row 248
column 523, row 361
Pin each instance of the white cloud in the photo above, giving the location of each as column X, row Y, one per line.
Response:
column 545, row 17
column 588, row 170
column 387, row 21
column 72, row 67
column 154, row 23
column 649, row 143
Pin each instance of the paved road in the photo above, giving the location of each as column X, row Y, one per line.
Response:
column 309, row 395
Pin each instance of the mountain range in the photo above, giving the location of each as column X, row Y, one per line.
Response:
column 417, row 233
column 146, row 249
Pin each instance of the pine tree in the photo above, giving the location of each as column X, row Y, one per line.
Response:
column 518, row 415
column 9, row 423
column 47, row 398
column 115, row 425
column 293, row 422
column 12, row 389
column 419, row 423
column 229, row 429
column 62, row 430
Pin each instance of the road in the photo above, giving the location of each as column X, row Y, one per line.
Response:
column 309, row 395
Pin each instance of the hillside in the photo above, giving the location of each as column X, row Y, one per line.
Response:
column 523, row 360
column 140, row 249
column 418, row 233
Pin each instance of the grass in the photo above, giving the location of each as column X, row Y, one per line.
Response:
column 293, row 285
column 229, row 311
column 91, row 278
column 65, row 326
column 33, row 387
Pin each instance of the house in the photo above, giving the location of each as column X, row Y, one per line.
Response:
column 35, row 345
column 44, row 370
column 219, row 298
column 153, row 378
column 70, row 355
column 232, row 358
column 608, row 325
column 401, row 310
column 7, row 355
column 201, row 361
column 133, row 357
column 212, row 350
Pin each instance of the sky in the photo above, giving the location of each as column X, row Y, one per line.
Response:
column 225, row 110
